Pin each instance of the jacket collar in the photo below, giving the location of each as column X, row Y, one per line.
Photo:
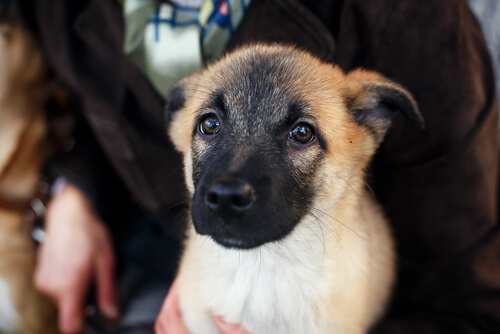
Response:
column 100, row 27
column 286, row 22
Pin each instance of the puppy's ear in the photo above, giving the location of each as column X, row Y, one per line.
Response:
column 176, row 100
column 374, row 101
column 178, row 119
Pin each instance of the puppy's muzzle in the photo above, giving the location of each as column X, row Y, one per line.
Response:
column 229, row 198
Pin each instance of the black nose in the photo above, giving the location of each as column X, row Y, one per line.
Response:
column 229, row 197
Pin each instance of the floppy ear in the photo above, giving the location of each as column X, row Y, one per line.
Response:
column 177, row 119
column 374, row 101
column 176, row 100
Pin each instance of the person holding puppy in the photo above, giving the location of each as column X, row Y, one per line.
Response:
column 439, row 187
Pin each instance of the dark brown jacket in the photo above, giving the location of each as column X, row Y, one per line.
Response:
column 438, row 186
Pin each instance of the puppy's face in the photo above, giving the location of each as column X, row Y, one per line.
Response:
column 268, row 133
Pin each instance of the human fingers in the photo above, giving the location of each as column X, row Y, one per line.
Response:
column 226, row 328
column 43, row 272
column 66, row 284
column 71, row 312
column 169, row 320
column 107, row 297
column 67, row 257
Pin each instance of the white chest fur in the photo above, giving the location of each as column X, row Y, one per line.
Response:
column 281, row 287
column 9, row 318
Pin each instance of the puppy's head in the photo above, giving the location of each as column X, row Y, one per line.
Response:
column 269, row 132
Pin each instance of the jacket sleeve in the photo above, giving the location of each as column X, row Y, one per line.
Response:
column 439, row 187
column 81, row 160
column 83, row 163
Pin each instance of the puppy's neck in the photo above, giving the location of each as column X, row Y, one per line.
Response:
column 22, row 155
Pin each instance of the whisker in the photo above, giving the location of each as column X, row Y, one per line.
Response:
column 160, row 185
column 370, row 189
column 349, row 183
column 184, row 201
column 260, row 264
column 179, row 221
column 328, row 228
column 345, row 225
column 323, row 235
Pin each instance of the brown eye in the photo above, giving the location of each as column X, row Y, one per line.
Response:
column 302, row 133
column 209, row 124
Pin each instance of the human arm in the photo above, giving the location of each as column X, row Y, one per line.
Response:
column 77, row 250
column 439, row 187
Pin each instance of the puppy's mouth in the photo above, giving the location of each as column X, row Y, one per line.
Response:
column 229, row 242
column 238, row 233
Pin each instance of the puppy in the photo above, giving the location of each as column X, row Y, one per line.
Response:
column 285, row 237
column 23, row 148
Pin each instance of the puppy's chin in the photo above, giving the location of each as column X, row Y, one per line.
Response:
column 243, row 232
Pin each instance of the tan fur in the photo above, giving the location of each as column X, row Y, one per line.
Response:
column 23, row 149
column 349, row 287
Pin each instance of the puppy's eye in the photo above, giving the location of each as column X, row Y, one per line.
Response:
column 209, row 124
column 302, row 133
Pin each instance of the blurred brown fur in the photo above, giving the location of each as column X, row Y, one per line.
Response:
column 24, row 146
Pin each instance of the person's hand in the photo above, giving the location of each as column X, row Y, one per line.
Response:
column 226, row 328
column 76, row 250
column 169, row 320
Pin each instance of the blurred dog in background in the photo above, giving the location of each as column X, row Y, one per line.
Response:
column 25, row 90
